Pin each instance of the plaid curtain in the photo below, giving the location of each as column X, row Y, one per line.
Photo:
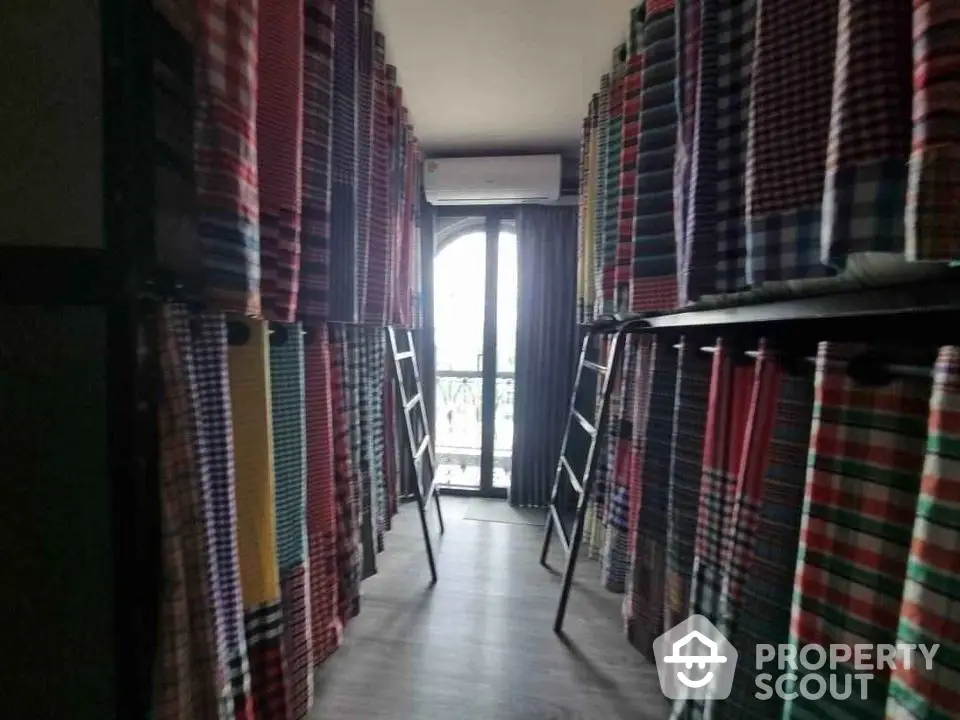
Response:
column 649, row 491
column 653, row 281
column 289, row 461
column 933, row 216
column 249, row 373
column 740, row 417
column 931, row 599
column 318, row 40
column 759, row 612
column 346, row 481
column 793, row 74
column 691, row 391
column 866, row 457
column 191, row 642
column 866, row 184
column 225, row 152
column 322, row 516
column 601, row 260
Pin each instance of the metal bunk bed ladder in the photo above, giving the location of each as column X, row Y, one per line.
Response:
column 565, row 474
column 419, row 443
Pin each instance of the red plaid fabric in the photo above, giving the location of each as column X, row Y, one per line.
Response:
column 866, row 182
column 268, row 666
column 933, row 213
column 225, row 152
column 322, row 510
column 366, row 128
column 866, row 457
column 297, row 640
column 314, row 301
column 187, row 682
column 630, row 86
column 279, row 138
column 793, row 73
column 930, row 607
column 348, row 521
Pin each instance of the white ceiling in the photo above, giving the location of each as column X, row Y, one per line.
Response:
column 500, row 75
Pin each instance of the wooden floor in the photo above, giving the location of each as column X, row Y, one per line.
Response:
column 479, row 645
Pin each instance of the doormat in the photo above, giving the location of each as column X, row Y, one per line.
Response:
column 499, row 511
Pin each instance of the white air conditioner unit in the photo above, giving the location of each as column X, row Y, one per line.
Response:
column 492, row 180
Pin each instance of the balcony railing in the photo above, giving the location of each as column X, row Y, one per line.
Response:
column 460, row 425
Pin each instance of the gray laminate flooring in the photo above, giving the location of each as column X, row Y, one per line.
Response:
column 479, row 645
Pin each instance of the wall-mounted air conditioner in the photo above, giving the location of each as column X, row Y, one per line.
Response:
column 492, row 180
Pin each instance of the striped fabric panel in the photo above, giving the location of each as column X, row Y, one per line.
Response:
column 867, row 155
column 365, row 146
column 314, row 302
column 602, row 125
column 393, row 238
column 321, row 497
column 654, row 253
column 643, row 606
column 297, row 639
column 763, row 611
column 348, row 517
column 360, row 437
column 375, row 378
column 933, row 218
column 289, row 448
column 225, row 153
column 793, row 78
column 279, row 153
column 611, row 214
column 931, row 594
column 687, row 19
column 268, row 665
column 249, row 373
column 215, row 454
column 186, row 674
column 583, row 218
column 343, row 197
column 691, row 392
column 378, row 259
column 632, row 85
column 866, row 457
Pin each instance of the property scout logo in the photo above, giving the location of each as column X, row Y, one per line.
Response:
column 696, row 662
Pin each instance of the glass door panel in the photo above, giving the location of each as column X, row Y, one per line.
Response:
column 459, row 292
column 506, row 355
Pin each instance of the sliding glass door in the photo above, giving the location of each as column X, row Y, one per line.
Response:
column 475, row 304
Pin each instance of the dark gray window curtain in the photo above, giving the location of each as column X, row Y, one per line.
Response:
column 546, row 347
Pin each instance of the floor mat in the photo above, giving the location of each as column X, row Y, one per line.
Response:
column 486, row 510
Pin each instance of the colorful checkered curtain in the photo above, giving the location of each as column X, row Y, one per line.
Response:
column 863, row 481
column 794, row 65
column 201, row 662
column 322, row 517
column 653, row 281
column 343, row 194
column 756, row 606
column 931, row 599
column 740, row 418
column 601, row 258
column 933, row 215
column 867, row 155
column 345, row 474
column 649, row 496
column 586, row 216
column 225, row 152
column 691, row 392
column 717, row 53
column 314, row 301
column 615, row 276
column 249, row 372
column 287, row 402
column 628, row 412
column 365, row 148
column 279, row 90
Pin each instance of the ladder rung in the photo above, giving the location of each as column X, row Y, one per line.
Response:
column 572, row 475
column 412, row 402
column 404, row 355
column 584, row 423
column 596, row 367
column 561, row 531
column 422, row 448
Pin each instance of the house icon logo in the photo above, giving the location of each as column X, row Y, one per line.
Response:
column 695, row 661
